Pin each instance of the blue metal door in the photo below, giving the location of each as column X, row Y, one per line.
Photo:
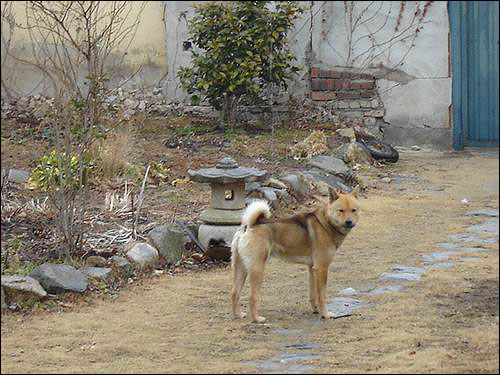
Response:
column 474, row 56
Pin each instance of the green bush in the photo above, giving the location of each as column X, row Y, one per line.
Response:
column 57, row 170
column 244, row 49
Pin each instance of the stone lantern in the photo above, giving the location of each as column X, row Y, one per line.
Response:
column 223, row 217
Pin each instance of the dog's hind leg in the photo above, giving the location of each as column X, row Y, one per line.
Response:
column 256, row 277
column 239, row 277
column 312, row 291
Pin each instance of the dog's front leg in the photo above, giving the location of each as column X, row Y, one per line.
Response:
column 321, row 278
column 312, row 291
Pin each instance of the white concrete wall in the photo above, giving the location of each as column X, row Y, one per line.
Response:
column 413, row 82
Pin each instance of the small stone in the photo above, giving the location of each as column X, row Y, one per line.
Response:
column 97, row 272
column 143, row 254
column 96, row 261
column 385, row 289
column 399, row 276
column 483, row 212
column 120, row 262
column 386, row 180
column 415, row 148
column 23, row 284
column 348, row 292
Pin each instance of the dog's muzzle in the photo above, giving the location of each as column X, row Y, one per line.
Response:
column 349, row 224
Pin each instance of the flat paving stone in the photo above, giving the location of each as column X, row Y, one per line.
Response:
column 490, row 226
column 470, row 250
column 385, row 289
column 451, row 246
column 436, row 257
column 491, row 212
column 408, row 269
column 344, row 306
column 399, row 276
column 445, row 265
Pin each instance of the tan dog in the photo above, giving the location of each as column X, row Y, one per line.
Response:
column 311, row 238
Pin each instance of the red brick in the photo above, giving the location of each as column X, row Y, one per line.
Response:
column 323, row 95
column 366, row 76
column 367, row 85
column 330, row 84
column 324, row 84
column 335, row 74
column 316, row 84
column 348, row 94
column 314, row 72
column 346, row 75
column 355, row 85
column 324, row 73
column 346, row 84
column 367, row 94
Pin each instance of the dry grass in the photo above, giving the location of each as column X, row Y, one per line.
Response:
column 115, row 152
column 315, row 144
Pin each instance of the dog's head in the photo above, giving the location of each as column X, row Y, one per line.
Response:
column 343, row 209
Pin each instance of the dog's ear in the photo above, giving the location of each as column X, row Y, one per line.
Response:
column 334, row 195
column 355, row 191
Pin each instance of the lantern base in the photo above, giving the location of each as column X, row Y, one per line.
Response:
column 209, row 232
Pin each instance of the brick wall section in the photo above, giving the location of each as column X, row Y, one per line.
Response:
column 331, row 84
column 346, row 92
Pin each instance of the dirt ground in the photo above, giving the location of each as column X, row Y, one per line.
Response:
column 445, row 323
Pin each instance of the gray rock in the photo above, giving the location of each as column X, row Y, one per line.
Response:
column 97, row 272
column 269, row 194
column 57, row 278
column 470, row 250
column 471, row 237
column 386, row 180
column 96, row 261
column 24, row 284
column 120, row 262
column 331, row 180
column 346, row 134
column 449, row 246
column 490, row 226
column 436, row 257
column 252, row 186
column 344, row 306
column 274, row 183
column 143, row 254
column 483, row 212
column 408, row 269
column 170, row 241
column 445, row 265
column 4, row 305
column 353, row 153
column 399, row 276
column 348, row 292
column 384, row 289
column 329, row 164
column 297, row 184
column 16, row 175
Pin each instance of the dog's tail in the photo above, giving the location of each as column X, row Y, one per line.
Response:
column 254, row 212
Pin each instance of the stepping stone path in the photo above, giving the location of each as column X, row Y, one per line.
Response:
column 293, row 362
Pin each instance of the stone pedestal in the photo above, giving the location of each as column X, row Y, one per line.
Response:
column 209, row 232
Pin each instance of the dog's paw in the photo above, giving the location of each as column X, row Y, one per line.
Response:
column 259, row 319
column 328, row 315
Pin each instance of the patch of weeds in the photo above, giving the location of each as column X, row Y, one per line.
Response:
column 193, row 129
column 234, row 134
column 12, row 264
